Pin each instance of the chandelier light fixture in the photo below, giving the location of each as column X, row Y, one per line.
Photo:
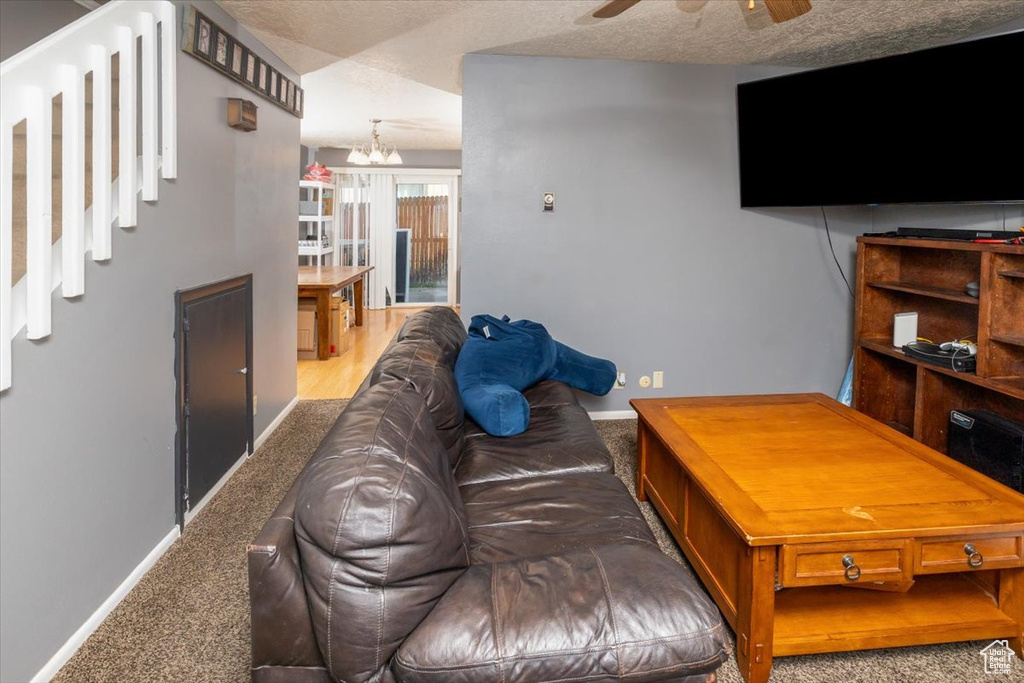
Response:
column 376, row 152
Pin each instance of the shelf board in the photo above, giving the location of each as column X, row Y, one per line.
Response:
column 1011, row 386
column 923, row 290
column 1012, row 274
column 315, row 219
column 315, row 251
column 1011, row 339
column 937, row 609
column 1014, row 385
column 316, row 185
column 952, row 245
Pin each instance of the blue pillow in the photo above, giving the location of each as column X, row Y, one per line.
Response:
column 501, row 358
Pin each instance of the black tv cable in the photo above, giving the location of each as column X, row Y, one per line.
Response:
column 833, row 250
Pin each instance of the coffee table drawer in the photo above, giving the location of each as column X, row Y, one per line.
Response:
column 967, row 553
column 822, row 564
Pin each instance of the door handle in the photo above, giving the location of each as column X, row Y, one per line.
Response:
column 242, row 371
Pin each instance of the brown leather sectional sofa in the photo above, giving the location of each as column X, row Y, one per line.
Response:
column 415, row 547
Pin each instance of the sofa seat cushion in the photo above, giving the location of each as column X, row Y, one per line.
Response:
column 601, row 613
column 537, row 516
column 561, row 440
column 550, row 392
column 381, row 530
column 421, row 362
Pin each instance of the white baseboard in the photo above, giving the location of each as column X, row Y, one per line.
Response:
column 612, row 415
column 191, row 514
column 69, row 648
column 274, row 424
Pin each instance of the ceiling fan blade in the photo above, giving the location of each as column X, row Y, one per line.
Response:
column 784, row 10
column 614, row 8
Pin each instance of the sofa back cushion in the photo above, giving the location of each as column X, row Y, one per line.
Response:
column 439, row 324
column 380, row 527
column 421, row 362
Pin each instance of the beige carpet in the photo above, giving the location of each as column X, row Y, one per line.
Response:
column 188, row 618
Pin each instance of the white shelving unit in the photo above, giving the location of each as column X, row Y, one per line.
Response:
column 316, row 226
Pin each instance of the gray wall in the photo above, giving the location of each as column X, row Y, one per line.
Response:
column 647, row 259
column 24, row 22
column 87, row 430
column 411, row 158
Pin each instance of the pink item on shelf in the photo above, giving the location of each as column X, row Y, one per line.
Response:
column 317, row 171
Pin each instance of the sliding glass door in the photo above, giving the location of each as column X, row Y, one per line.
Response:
column 403, row 223
column 424, row 240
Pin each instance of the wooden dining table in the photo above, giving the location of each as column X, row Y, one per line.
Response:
column 320, row 282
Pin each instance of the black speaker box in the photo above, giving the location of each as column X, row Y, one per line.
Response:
column 990, row 444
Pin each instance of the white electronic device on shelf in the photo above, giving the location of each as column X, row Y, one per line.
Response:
column 904, row 329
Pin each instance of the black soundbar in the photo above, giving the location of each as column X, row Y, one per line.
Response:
column 963, row 235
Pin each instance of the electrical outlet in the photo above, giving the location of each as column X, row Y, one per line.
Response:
column 659, row 379
column 255, row 403
column 620, row 381
column 645, row 382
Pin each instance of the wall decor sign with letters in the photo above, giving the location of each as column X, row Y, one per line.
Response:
column 209, row 43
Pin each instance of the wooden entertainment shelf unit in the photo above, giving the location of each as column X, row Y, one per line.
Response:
column 897, row 275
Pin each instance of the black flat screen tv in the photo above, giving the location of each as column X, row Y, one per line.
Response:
column 944, row 125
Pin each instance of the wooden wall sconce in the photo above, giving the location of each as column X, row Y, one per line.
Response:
column 241, row 114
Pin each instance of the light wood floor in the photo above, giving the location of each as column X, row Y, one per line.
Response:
column 339, row 377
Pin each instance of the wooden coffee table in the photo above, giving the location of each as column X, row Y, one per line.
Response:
column 787, row 505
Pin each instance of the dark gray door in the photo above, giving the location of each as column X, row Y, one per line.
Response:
column 217, row 390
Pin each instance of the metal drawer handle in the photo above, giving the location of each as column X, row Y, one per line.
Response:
column 852, row 572
column 974, row 558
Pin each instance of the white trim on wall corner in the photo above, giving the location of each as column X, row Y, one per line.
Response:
column 612, row 414
column 69, row 648
column 274, row 424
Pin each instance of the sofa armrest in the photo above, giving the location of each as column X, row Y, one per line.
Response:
column 282, row 632
column 623, row 612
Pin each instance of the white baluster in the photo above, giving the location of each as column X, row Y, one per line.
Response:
column 40, row 220
column 126, row 171
column 73, row 192
column 150, row 112
column 169, row 91
column 101, row 151
column 6, row 184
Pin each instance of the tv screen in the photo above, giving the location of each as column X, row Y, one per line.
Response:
column 935, row 126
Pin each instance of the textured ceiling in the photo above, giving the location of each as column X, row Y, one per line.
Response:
column 400, row 60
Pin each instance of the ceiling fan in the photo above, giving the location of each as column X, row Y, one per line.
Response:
column 780, row 10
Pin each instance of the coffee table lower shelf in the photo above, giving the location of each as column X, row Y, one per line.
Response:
column 940, row 608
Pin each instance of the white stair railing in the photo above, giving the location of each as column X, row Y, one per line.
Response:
column 28, row 83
